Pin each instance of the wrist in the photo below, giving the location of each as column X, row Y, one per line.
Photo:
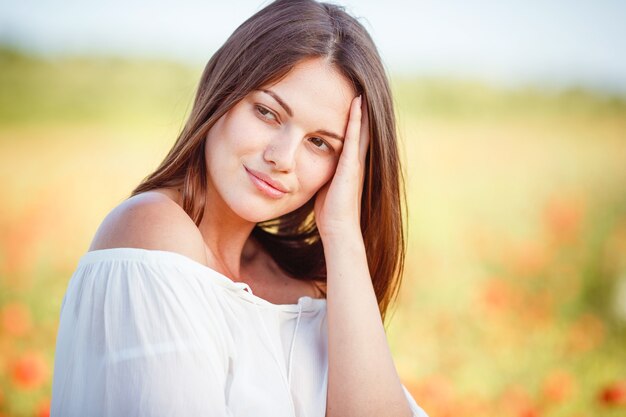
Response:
column 345, row 255
column 342, row 239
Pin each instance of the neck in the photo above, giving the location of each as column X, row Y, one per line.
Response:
column 227, row 238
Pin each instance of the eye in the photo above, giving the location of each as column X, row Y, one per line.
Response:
column 265, row 113
column 319, row 143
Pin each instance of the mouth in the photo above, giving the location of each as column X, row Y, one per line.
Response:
column 261, row 182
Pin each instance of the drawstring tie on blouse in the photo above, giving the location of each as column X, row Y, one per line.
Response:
column 293, row 343
column 287, row 380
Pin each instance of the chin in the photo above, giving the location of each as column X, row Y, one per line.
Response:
column 258, row 212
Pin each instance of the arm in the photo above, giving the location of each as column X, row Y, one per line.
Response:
column 130, row 344
column 362, row 378
column 134, row 340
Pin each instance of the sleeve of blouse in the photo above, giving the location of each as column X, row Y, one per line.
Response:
column 416, row 409
column 136, row 339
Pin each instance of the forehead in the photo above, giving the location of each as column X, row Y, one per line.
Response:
column 317, row 93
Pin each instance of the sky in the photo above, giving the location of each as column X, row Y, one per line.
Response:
column 557, row 43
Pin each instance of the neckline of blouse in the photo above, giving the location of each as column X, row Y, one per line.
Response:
column 305, row 303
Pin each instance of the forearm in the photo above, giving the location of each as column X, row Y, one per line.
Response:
column 362, row 378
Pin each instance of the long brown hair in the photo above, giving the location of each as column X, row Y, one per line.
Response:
column 261, row 51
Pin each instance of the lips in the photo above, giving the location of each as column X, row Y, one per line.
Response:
column 277, row 185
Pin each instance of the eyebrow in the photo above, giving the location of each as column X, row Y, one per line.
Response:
column 290, row 113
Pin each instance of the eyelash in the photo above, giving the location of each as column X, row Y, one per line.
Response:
column 261, row 110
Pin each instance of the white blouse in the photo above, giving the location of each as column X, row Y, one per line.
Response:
column 155, row 333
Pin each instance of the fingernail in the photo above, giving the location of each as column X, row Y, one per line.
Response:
column 360, row 98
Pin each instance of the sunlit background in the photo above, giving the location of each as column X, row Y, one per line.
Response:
column 513, row 123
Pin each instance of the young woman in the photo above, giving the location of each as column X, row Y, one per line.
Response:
column 249, row 274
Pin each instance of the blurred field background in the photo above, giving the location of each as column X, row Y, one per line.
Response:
column 514, row 296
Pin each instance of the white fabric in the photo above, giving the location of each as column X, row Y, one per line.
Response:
column 155, row 333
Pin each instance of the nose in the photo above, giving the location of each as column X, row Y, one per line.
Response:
column 281, row 151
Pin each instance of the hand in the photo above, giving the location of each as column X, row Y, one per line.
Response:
column 338, row 203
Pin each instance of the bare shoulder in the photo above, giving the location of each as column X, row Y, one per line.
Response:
column 150, row 220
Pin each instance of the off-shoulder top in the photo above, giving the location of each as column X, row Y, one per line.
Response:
column 155, row 333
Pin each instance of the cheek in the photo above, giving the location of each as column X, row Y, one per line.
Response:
column 317, row 173
column 230, row 137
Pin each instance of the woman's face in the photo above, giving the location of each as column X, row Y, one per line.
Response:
column 289, row 134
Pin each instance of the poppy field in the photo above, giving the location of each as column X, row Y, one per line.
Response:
column 513, row 301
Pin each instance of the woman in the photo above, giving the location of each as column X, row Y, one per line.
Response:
column 250, row 273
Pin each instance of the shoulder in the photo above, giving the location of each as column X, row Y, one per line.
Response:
column 150, row 220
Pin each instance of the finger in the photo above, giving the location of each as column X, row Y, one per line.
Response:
column 320, row 198
column 351, row 140
column 364, row 133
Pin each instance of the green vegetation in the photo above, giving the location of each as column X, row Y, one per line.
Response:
column 79, row 90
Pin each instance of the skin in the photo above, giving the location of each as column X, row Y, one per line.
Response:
column 362, row 379
column 258, row 133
